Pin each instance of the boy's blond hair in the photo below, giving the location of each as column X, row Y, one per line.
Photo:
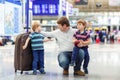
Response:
column 35, row 25
column 80, row 21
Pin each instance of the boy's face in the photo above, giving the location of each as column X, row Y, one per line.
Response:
column 80, row 26
column 39, row 29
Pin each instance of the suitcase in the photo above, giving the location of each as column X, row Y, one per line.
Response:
column 22, row 58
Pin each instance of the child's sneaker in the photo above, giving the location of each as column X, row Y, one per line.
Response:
column 85, row 70
column 42, row 71
column 34, row 72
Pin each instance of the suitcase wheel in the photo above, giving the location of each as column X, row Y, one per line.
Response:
column 15, row 70
column 21, row 72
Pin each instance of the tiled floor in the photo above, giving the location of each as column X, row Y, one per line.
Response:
column 104, row 64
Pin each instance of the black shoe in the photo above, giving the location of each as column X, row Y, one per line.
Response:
column 85, row 70
column 42, row 71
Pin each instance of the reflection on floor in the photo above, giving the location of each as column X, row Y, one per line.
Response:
column 104, row 64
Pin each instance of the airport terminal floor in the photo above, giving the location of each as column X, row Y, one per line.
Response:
column 104, row 64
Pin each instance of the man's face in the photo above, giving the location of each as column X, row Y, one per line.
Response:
column 62, row 28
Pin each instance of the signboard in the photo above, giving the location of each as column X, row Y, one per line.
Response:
column 62, row 7
column 81, row 2
column 1, row 19
column 12, row 18
column 2, row 1
column 30, row 4
column 114, row 2
column 45, row 9
column 14, row 1
column 49, row 7
column 75, row 11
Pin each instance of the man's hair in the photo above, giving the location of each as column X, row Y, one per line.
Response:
column 35, row 25
column 63, row 20
column 82, row 22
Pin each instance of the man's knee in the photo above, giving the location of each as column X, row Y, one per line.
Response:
column 63, row 61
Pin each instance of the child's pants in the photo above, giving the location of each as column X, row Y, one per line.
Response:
column 38, row 57
column 76, row 50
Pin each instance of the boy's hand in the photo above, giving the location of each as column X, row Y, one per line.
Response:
column 23, row 47
column 81, row 43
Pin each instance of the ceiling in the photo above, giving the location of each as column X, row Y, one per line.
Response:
column 92, row 6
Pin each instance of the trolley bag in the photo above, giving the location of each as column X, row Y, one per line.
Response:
column 22, row 58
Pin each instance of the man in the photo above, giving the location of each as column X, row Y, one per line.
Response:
column 64, row 37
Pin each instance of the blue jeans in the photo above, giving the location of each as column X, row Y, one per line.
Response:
column 86, row 58
column 75, row 53
column 64, row 59
column 38, row 57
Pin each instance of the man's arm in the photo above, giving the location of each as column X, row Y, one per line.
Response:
column 74, row 39
column 46, row 40
column 50, row 34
